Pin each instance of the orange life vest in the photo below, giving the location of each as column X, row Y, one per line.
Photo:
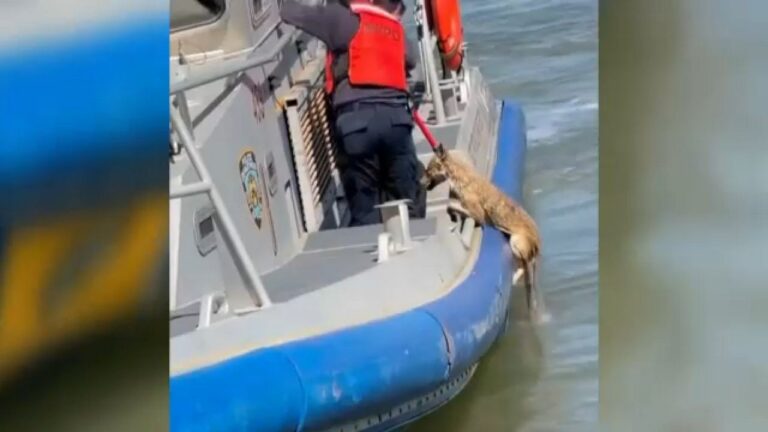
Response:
column 376, row 53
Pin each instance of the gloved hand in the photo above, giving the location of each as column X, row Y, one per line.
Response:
column 416, row 91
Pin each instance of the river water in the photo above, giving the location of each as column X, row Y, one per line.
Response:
column 543, row 53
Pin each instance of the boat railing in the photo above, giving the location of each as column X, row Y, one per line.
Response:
column 190, row 78
column 256, row 295
column 252, row 295
column 434, row 85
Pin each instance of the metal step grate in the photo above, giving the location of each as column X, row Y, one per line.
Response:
column 318, row 141
column 308, row 115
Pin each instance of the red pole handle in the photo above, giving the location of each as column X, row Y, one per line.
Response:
column 437, row 147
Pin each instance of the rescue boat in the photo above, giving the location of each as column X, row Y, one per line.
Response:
column 282, row 317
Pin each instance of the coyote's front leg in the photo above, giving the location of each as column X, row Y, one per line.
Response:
column 454, row 206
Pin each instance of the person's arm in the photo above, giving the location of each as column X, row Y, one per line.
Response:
column 411, row 55
column 320, row 21
column 414, row 71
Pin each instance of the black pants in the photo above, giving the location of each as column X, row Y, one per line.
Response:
column 381, row 162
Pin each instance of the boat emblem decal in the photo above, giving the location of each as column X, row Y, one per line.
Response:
column 249, row 178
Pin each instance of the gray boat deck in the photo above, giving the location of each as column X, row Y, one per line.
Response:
column 328, row 257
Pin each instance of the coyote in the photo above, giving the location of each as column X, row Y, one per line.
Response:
column 478, row 198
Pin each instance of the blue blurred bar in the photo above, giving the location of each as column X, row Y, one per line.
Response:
column 83, row 169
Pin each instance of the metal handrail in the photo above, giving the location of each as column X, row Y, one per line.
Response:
column 189, row 190
column 253, row 282
column 426, row 46
column 209, row 72
column 195, row 77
